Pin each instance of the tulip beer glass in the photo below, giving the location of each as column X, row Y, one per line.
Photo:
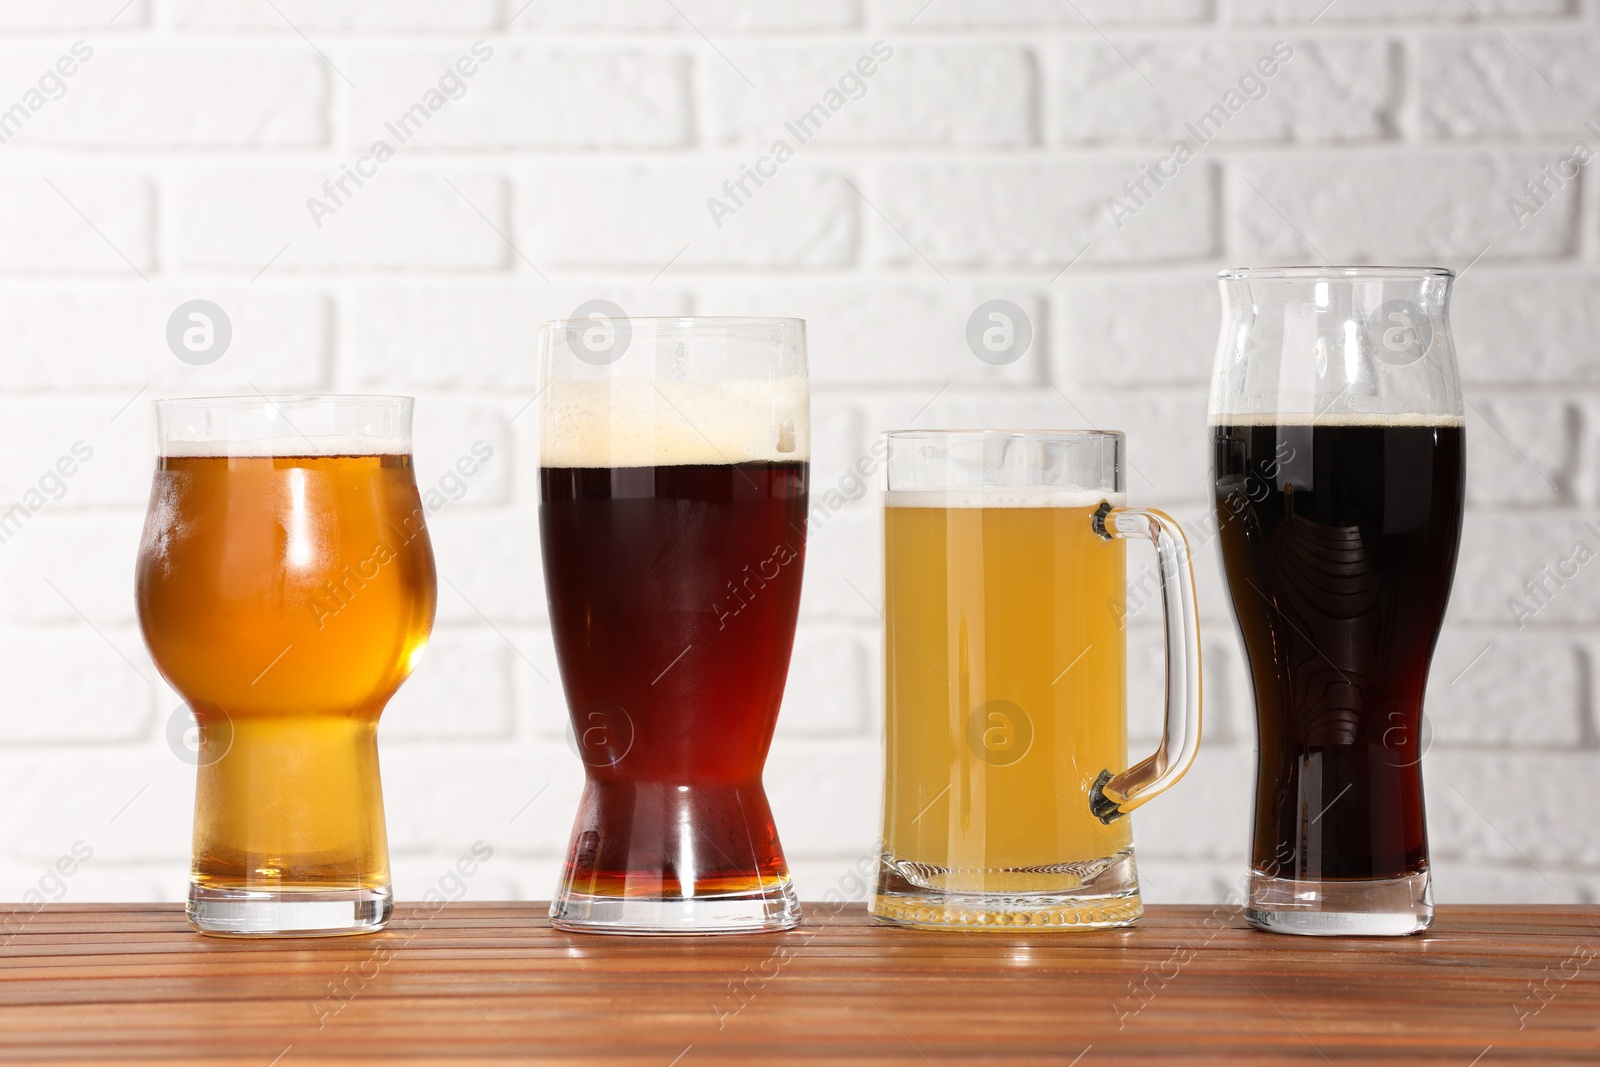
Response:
column 1336, row 420
column 1006, row 731
column 673, row 466
column 285, row 590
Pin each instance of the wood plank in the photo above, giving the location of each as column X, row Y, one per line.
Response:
column 492, row 983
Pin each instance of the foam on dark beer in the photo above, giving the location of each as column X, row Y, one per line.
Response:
column 1342, row 418
column 621, row 422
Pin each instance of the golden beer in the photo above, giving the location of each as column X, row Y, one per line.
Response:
column 1006, row 775
column 1006, row 694
column 286, row 598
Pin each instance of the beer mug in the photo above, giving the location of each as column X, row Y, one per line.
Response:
column 1006, row 779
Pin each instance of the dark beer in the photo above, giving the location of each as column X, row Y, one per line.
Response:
column 673, row 594
column 1339, row 541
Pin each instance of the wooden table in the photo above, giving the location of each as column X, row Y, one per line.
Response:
column 492, row 983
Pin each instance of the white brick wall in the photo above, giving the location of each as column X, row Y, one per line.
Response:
column 575, row 163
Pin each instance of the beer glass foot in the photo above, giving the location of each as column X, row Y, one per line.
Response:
column 289, row 913
column 769, row 910
column 1093, row 895
column 1387, row 907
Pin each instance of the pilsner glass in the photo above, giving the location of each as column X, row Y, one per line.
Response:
column 286, row 590
column 673, row 471
column 1336, row 418
column 1006, row 664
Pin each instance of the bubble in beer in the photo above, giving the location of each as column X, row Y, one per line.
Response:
column 999, row 732
column 199, row 332
column 603, row 735
column 999, row 332
column 195, row 743
column 599, row 332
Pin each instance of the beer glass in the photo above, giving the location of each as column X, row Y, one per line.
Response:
column 1006, row 777
column 286, row 589
column 673, row 469
column 1336, row 422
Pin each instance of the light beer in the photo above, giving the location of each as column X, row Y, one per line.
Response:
column 1006, row 692
column 286, row 598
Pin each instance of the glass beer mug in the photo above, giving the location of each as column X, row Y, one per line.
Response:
column 1006, row 777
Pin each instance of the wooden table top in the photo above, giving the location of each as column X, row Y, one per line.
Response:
column 492, row 983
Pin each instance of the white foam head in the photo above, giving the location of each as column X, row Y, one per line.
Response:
column 1032, row 496
column 1340, row 418
column 342, row 444
column 263, row 426
column 631, row 422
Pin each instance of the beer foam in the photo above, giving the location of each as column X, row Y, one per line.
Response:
column 630, row 422
column 1032, row 496
column 1340, row 418
column 322, row 444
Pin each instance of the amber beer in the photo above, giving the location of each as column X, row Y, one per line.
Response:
column 286, row 598
column 673, row 596
column 1006, row 692
column 674, row 468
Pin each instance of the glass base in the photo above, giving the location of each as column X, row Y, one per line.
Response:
column 289, row 913
column 1093, row 895
column 771, row 909
column 1391, row 907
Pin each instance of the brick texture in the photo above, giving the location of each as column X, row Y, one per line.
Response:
column 610, row 149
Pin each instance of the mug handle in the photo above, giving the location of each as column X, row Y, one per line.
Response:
column 1113, row 796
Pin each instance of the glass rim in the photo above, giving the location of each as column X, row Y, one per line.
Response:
column 683, row 322
column 238, row 400
column 1020, row 435
column 1331, row 273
